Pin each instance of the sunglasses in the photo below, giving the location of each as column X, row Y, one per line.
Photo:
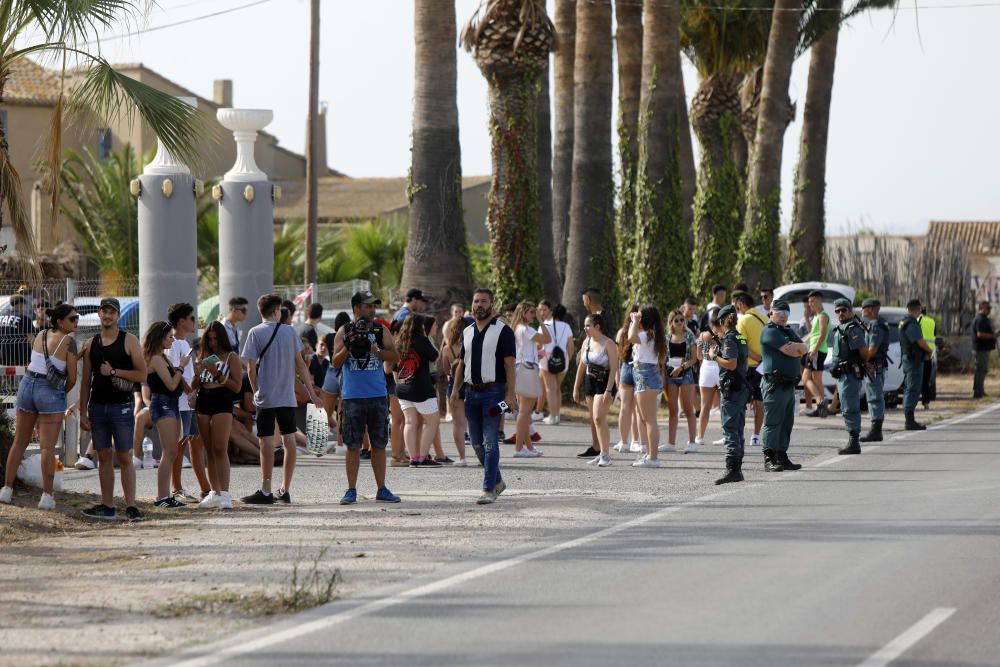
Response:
column 840, row 310
column 678, row 320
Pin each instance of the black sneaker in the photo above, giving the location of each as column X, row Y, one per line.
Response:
column 588, row 454
column 284, row 497
column 447, row 461
column 169, row 503
column 102, row 512
column 133, row 514
column 430, row 463
column 366, row 454
column 259, row 498
column 414, row 463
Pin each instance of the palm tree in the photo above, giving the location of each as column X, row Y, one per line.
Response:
column 759, row 248
column 436, row 260
column 628, row 45
column 562, row 158
column 289, row 252
column 591, row 256
column 551, row 284
column 61, row 29
column 207, row 231
column 511, row 41
column 661, row 266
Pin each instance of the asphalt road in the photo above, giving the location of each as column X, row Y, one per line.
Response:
column 892, row 557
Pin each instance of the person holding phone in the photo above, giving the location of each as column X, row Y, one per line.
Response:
column 165, row 385
column 219, row 378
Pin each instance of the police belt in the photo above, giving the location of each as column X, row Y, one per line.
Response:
column 848, row 369
column 779, row 381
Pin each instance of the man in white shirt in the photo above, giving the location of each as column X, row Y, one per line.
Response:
column 766, row 297
column 237, row 313
column 182, row 318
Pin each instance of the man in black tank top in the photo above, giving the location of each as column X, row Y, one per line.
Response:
column 112, row 363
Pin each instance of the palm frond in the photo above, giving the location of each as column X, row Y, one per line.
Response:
column 10, row 194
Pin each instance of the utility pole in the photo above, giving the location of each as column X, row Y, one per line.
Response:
column 312, row 150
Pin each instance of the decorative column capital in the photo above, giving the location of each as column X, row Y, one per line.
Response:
column 245, row 124
column 164, row 163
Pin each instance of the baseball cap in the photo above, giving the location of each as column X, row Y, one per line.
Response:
column 111, row 302
column 365, row 296
column 842, row 303
column 416, row 294
column 726, row 310
column 779, row 305
column 871, row 303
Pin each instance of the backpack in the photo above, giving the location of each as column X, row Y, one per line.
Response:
column 557, row 358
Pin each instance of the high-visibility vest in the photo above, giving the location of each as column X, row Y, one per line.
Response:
column 929, row 327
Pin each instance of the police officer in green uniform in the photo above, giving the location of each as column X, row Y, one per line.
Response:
column 876, row 361
column 732, row 357
column 780, row 351
column 850, row 340
column 913, row 349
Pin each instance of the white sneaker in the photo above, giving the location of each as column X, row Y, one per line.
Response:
column 6, row 495
column 137, row 463
column 755, row 441
column 640, row 461
column 84, row 463
column 210, row 502
column 521, row 454
column 551, row 420
column 720, row 441
column 448, row 418
column 537, row 416
column 532, row 453
column 47, row 502
column 225, row 501
column 620, row 447
column 460, row 463
column 603, row 461
column 595, row 460
column 699, row 441
column 186, row 463
column 646, row 462
column 691, row 448
column 667, row 448
column 636, row 447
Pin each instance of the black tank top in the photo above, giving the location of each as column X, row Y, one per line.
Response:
column 156, row 385
column 678, row 349
column 101, row 390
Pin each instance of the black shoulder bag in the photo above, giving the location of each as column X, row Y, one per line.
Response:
column 557, row 359
column 55, row 377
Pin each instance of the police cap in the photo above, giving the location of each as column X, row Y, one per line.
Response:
column 726, row 310
column 779, row 304
column 871, row 303
column 842, row 303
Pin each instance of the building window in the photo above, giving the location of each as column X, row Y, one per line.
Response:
column 103, row 143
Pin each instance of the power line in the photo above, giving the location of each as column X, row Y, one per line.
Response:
column 193, row 19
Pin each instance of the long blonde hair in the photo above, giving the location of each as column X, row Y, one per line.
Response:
column 521, row 314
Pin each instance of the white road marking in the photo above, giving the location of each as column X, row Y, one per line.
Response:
column 237, row 647
column 911, row 636
column 959, row 420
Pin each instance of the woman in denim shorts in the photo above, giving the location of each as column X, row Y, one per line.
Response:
column 38, row 402
column 681, row 348
column 645, row 332
column 165, row 388
column 628, row 416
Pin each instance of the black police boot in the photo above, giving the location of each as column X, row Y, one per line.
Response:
column 786, row 462
column 874, row 433
column 733, row 472
column 771, row 462
column 912, row 424
column 853, row 445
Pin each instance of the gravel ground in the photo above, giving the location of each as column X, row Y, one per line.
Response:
column 124, row 592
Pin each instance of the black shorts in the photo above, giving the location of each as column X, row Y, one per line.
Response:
column 816, row 365
column 213, row 402
column 267, row 416
column 753, row 380
column 592, row 387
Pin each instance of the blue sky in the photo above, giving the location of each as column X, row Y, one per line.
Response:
column 913, row 130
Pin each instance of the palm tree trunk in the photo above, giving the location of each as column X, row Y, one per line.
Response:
column 760, row 249
column 805, row 242
column 628, row 44
column 552, row 288
column 591, row 261
column 663, row 255
column 719, row 201
column 689, row 177
column 436, row 258
column 562, row 163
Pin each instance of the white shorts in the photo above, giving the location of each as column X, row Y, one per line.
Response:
column 428, row 407
column 708, row 376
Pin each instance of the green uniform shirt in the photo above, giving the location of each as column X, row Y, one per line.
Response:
column 878, row 337
column 909, row 333
column 848, row 339
column 734, row 346
column 772, row 358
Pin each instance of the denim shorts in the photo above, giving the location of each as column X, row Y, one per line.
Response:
column 687, row 377
column 162, row 406
column 626, row 376
column 189, row 423
column 461, row 392
column 648, row 377
column 111, row 423
column 331, row 383
column 365, row 414
column 36, row 396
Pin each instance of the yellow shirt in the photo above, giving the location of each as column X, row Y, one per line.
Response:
column 751, row 324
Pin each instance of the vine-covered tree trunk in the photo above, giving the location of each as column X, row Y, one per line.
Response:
column 562, row 159
column 591, row 261
column 806, row 240
column 662, row 259
column 628, row 44
column 512, row 214
column 551, row 286
column 436, row 257
column 719, row 201
column 760, row 249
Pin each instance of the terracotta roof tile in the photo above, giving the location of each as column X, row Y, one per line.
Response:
column 31, row 83
column 981, row 238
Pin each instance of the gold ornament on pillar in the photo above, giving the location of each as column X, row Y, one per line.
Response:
column 217, row 192
column 168, row 188
column 248, row 194
column 135, row 187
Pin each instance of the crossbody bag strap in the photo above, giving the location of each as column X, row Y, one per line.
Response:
column 260, row 357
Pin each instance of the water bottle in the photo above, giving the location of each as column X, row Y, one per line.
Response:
column 147, row 452
column 57, row 479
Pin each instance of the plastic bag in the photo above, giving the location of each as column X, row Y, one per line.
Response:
column 317, row 430
column 30, row 470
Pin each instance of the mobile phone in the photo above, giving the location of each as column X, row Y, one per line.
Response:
column 211, row 359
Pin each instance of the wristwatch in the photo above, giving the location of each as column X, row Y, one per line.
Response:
column 114, row 372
